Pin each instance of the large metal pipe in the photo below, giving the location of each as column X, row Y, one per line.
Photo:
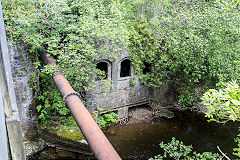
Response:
column 101, row 147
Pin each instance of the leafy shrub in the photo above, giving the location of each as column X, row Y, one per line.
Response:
column 106, row 119
column 177, row 150
column 193, row 43
column 237, row 150
column 223, row 104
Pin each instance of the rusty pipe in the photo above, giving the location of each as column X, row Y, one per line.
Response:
column 101, row 147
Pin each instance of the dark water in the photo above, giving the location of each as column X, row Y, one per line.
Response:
column 141, row 141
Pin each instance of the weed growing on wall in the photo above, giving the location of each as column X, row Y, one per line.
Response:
column 106, row 119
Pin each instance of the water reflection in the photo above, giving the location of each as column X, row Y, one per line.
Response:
column 141, row 141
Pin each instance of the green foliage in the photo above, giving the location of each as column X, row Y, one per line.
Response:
column 177, row 150
column 133, row 81
column 193, row 43
column 237, row 150
column 64, row 131
column 50, row 100
column 228, row 4
column 106, row 119
column 75, row 32
column 223, row 104
column 70, row 123
column 205, row 156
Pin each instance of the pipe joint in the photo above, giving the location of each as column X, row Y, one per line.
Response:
column 71, row 94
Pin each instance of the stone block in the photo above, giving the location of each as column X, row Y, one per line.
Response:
column 123, row 112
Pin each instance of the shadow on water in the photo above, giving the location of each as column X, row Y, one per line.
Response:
column 141, row 141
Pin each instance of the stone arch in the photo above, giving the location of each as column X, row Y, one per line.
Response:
column 106, row 66
column 125, row 68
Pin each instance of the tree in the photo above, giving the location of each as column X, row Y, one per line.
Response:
column 193, row 43
column 75, row 32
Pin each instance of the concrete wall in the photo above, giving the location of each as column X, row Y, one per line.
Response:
column 4, row 149
column 14, row 133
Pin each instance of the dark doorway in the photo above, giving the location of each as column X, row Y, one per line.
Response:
column 147, row 68
column 103, row 66
column 125, row 70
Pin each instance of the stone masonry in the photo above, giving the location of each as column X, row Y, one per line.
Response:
column 124, row 90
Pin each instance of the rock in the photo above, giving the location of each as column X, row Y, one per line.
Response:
column 63, row 138
column 162, row 112
column 48, row 153
column 139, row 115
column 32, row 143
column 31, row 147
column 201, row 108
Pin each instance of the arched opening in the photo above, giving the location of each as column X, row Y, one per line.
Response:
column 103, row 66
column 147, row 67
column 125, row 69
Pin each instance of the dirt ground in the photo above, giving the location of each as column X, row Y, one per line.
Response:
column 140, row 114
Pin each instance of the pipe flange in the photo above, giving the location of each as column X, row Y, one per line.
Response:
column 70, row 94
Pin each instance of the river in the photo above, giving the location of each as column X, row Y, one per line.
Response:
column 141, row 140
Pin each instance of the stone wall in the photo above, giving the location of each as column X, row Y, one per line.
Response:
column 21, row 68
column 118, row 92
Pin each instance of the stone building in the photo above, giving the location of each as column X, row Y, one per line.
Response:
column 124, row 90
